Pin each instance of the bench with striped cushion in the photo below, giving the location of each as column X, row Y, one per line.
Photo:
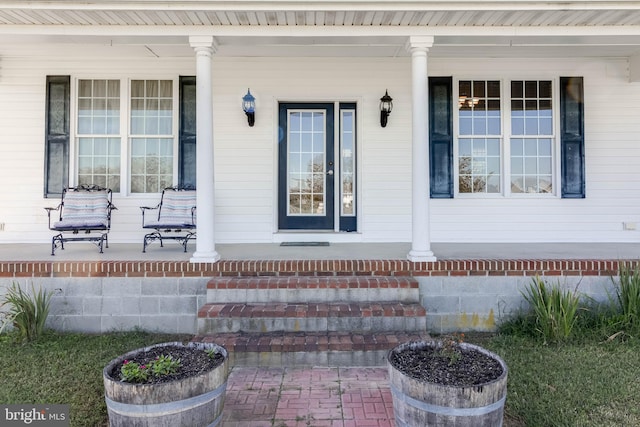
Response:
column 85, row 209
column 176, row 213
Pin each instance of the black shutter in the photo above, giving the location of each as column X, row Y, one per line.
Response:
column 572, row 137
column 187, row 133
column 441, row 137
column 56, row 148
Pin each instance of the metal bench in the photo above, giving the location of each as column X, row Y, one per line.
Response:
column 85, row 213
column 176, row 213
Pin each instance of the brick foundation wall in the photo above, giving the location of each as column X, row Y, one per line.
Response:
column 445, row 268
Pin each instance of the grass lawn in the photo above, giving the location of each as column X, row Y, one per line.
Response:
column 67, row 369
column 591, row 383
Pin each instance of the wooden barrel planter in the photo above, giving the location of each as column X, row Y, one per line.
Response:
column 190, row 402
column 421, row 403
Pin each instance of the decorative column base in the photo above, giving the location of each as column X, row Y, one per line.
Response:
column 204, row 257
column 421, row 256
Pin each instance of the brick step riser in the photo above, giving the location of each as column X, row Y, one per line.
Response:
column 368, row 358
column 312, row 324
column 311, row 349
column 405, row 295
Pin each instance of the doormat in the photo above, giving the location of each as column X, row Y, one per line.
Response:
column 304, row 244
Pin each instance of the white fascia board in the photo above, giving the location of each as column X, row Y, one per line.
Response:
column 325, row 5
column 318, row 31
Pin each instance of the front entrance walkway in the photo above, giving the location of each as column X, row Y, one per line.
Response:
column 302, row 397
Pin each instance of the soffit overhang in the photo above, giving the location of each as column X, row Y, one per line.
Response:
column 338, row 28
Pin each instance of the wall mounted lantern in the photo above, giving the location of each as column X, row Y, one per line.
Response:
column 386, row 105
column 249, row 107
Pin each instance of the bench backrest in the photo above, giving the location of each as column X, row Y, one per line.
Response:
column 83, row 207
column 177, row 207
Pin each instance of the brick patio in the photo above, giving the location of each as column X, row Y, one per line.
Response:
column 303, row 397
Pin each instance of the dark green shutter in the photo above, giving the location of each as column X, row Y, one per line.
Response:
column 56, row 149
column 441, row 137
column 187, row 133
column 572, row 137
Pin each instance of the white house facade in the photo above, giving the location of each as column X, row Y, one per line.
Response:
column 511, row 121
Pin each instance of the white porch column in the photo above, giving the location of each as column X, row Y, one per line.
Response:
column 205, row 201
column 420, row 239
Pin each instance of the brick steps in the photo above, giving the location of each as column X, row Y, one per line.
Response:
column 313, row 289
column 295, row 317
column 311, row 320
column 310, row 348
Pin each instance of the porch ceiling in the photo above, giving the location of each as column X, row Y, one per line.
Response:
column 470, row 28
column 323, row 13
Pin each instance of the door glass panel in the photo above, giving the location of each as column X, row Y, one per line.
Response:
column 347, row 162
column 306, row 166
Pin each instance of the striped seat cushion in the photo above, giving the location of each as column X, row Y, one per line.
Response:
column 84, row 209
column 176, row 210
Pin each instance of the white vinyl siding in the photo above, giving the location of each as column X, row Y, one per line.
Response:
column 245, row 158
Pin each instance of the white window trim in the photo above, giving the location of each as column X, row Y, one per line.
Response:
column 124, row 135
column 505, row 137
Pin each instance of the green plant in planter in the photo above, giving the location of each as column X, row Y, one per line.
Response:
column 212, row 352
column 134, row 372
column 27, row 312
column 450, row 348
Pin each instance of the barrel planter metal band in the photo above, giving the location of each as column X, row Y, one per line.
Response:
column 162, row 409
column 447, row 410
column 190, row 402
column 418, row 403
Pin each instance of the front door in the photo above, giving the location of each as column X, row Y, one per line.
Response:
column 306, row 172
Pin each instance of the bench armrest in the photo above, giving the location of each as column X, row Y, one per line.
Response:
column 49, row 210
column 148, row 208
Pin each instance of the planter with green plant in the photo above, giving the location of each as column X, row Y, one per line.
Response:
column 446, row 382
column 170, row 384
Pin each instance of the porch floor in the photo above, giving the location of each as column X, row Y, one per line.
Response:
column 84, row 251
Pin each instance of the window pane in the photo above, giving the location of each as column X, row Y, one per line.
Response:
column 531, row 158
column 493, row 89
column 544, row 89
column 530, row 165
column 531, row 89
column 137, row 89
column 99, row 161
column 98, row 115
column 544, row 165
column 517, row 126
column 544, row 147
column 517, row 184
column 96, row 104
column 493, row 147
column 516, row 89
column 465, row 88
column 347, row 163
column 151, row 163
column 516, row 166
column 517, row 147
column 479, row 115
column 152, row 142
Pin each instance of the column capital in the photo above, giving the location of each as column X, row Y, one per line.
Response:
column 203, row 43
column 419, row 43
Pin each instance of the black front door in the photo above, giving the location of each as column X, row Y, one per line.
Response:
column 306, row 171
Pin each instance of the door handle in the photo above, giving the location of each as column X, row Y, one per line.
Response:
column 330, row 172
